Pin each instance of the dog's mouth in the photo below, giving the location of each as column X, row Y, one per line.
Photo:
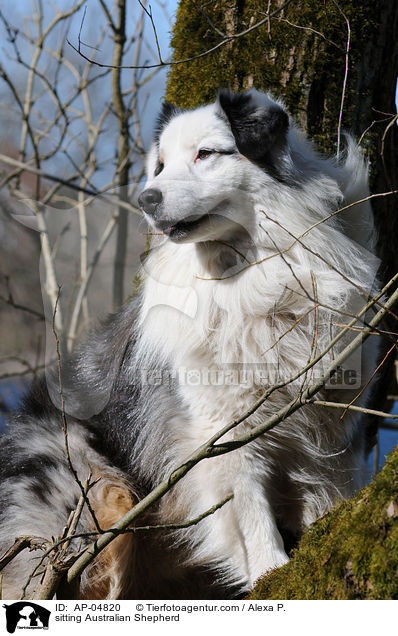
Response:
column 181, row 229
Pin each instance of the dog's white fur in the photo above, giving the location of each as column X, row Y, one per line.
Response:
column 257, row 283
column 201, row 316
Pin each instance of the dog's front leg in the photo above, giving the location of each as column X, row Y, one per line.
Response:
column 263, row 543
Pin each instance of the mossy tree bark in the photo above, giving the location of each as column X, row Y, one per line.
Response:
column 306, row 54
column 351, row 553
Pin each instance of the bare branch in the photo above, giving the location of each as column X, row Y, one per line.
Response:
column 123, row 167
column 21, row 543
column 347, row 53
column 352, row 407
column 83, row 488
column 135, row 529
column 393, row 348
column 65, row 182
column 9, row 300
column 108, row 15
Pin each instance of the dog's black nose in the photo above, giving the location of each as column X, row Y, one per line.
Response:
column 149, row 200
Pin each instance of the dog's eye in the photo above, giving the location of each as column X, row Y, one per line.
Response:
column 203, row 153
column 159, row 168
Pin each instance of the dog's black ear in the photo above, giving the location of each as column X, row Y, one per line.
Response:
column 167, row 113
column 259, row 127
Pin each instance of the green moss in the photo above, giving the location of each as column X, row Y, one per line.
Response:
column 293, row 62
column 351, row 553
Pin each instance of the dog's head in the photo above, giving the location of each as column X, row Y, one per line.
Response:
column 205, row 164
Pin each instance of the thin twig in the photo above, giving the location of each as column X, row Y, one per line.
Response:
column 352, row 407
column 383, row 141
column 393, row 348
column 343, row 92
column 59, row 558
column 149, row 14
column 10, row 301
column 297, row 238
column 311, row 30
column 165, row 527
column 65, row 422
column 21, row 543
column 364, row 292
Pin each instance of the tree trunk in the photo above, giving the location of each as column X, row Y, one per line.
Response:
column 124, row 163
column 335, row 65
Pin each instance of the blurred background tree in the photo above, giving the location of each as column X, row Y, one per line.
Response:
column 74, row 136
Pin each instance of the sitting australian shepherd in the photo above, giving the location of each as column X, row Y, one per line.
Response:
column 249, row 277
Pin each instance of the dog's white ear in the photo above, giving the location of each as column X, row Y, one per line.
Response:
column 258, row 124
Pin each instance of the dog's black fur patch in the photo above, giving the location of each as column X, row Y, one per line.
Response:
column 167, row 113
column 260, row 133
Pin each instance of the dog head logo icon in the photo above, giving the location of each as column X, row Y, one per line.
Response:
column 26, row 615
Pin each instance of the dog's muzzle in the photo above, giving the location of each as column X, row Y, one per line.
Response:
column 149, row 200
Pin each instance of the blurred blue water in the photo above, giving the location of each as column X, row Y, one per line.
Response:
column 11, row 395
column 388, row 439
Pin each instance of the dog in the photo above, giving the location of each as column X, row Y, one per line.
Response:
column 250, row 275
